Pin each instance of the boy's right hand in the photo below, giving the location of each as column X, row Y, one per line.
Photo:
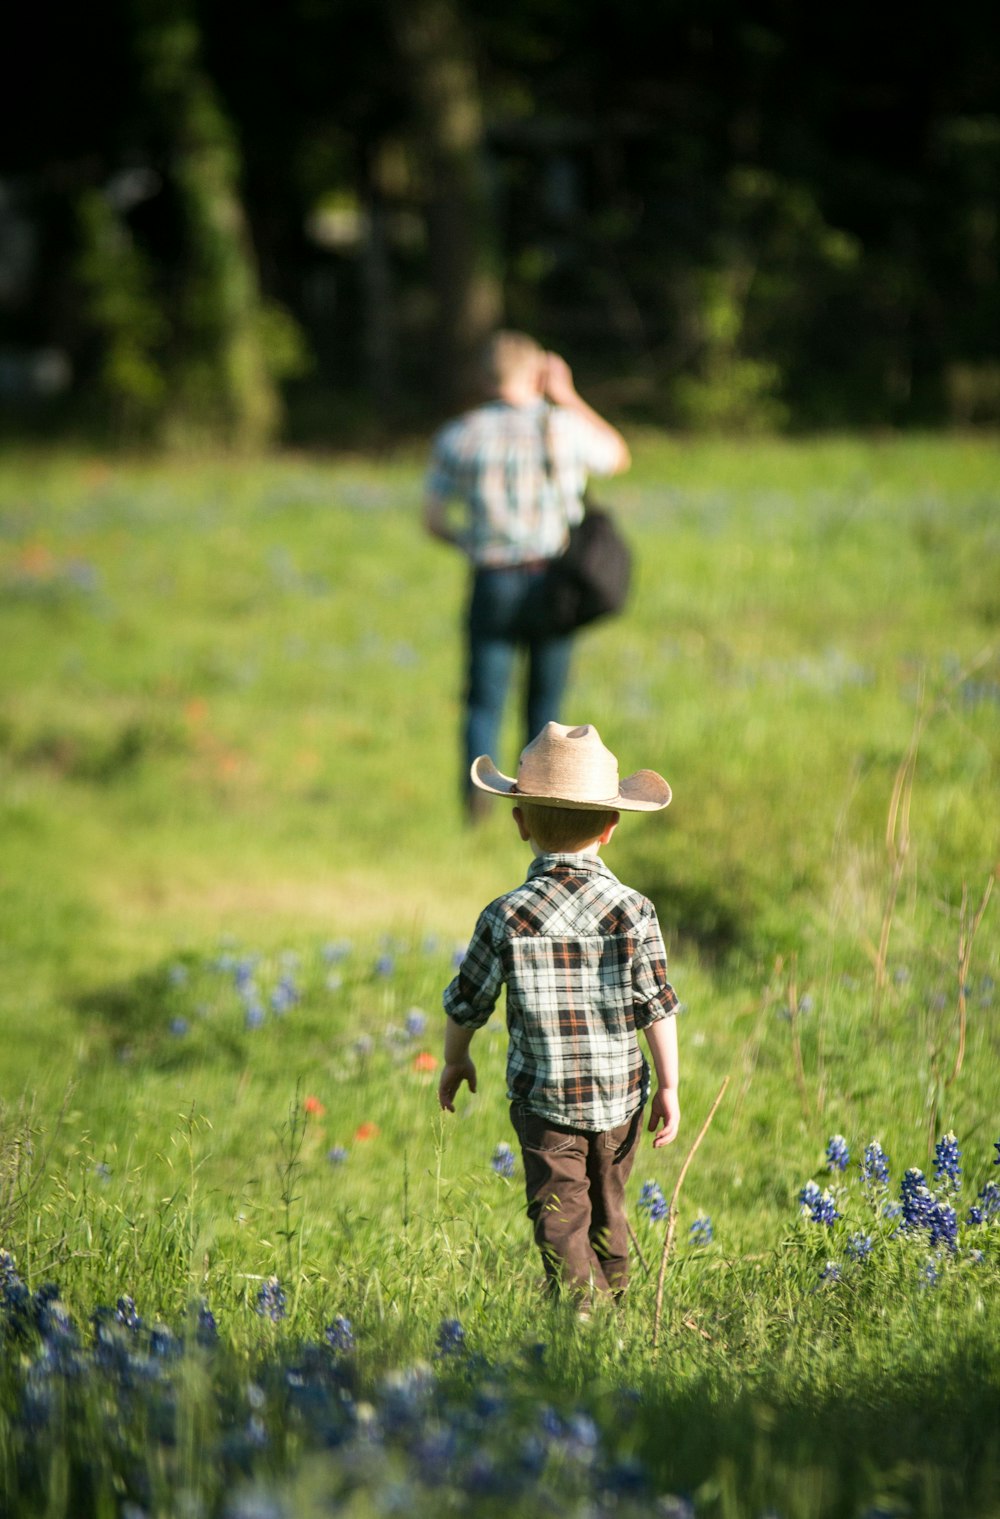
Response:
column 452, row 1077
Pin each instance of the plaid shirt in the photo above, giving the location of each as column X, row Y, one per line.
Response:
column 583, row 960
column 494, row 459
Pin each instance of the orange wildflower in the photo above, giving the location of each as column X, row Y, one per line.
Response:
column 313, row 1107
column 425, row 1061
column 366, row 1131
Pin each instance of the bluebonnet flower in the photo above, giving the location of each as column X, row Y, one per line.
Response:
column 385, row 965
column 450, row 1338
column 930, row 1275
column 976, row 1257
column 653, row 1202
column 335, row 951
column 859, row 1246
column 339, row 1334
column 126, row 1313
column 337, row 1155
column 838, row 1156
column 8, row 1272
column 943, row 1225
column 830, row 1272
column 254, row 1016
column 416, row 1022
column 807, row 1194
column 701, row 1232
column 819, row 1206
column 271, row 1300
column 946, row 1160
column 875, row 1165
column 179, row 1027
column 503, row 1159
column 916, row 1198
column 206, row 1329
column 284, row 996
column 177, row 974
column 987, row 1206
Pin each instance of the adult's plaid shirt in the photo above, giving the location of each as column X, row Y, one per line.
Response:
column 521, row 471
column 584, row 964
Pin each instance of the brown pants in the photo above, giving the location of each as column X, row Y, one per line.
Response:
column 575, row 1185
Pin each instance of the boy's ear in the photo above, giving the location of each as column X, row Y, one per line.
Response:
column 518, row 817
column 610, row 828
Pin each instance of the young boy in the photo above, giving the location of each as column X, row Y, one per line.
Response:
column 584, row 965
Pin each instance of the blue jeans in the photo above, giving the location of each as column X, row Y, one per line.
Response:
column 497, row 601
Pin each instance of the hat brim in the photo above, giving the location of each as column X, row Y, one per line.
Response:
column 645, row 791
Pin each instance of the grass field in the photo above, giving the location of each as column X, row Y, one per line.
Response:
column 234, row 880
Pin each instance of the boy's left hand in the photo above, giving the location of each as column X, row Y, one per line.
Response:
column 665, row 1109
column 452, row 1077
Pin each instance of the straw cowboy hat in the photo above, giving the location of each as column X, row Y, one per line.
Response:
column 570, row 767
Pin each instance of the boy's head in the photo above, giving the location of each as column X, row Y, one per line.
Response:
column 570, row 769
column 563, row 830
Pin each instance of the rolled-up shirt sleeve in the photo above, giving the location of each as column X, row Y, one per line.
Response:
column 471, row 996
column 653, row 996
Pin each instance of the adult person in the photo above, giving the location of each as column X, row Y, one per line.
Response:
column 517, row 466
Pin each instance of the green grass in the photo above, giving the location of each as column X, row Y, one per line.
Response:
column 228, row 730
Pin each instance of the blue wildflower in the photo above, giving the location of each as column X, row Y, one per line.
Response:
column 8, row 1272
column 503, row 1159
column 807, row 1193
column 916, row 1199
column 416, row 1022
column 284, row 996
column 126, row 1313
column 875, row 1165
column 701, row 1232
column 179, row 1027
column 859, row 1246
column 819, row 1206
column 830, row 1272
column 254, row 1015
column 946, row 1160
column 838, row 1156
column 339, row 1334
column 385, row 965
column 450, row 1338
column 206, row 1330
column 930, row 1275
column 986, row 1208
column 943, row 1225
column 271, row 1300
column 653, row 1202
column 337, row 1155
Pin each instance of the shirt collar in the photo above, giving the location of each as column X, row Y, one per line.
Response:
column 579, row 864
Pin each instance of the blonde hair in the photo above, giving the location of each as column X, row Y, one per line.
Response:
column 508, row 355
column 564, row 830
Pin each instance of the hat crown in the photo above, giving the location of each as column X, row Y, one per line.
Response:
column 571, row 763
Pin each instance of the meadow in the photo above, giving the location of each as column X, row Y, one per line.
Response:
column 248, row 1269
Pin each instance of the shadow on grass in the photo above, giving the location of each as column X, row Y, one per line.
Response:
column 145, row 1018
column 714, row 920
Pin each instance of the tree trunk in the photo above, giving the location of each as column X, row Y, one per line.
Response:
column 466, row 286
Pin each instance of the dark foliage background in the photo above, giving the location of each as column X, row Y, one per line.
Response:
column 298, row 219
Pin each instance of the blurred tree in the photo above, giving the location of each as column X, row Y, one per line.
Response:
column 449, row 142
column 227, row 346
